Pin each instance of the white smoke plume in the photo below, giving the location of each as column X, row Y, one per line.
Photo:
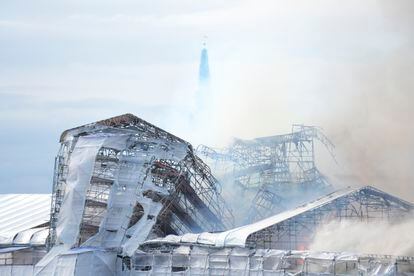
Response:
column 366, row 238
column 355, row 82
column 372, row 124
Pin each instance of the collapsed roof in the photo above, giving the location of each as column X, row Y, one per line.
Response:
column 280, row 171
column 121, row 180
column 366, row 203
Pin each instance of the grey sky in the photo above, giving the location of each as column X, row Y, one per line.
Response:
column 65, row 63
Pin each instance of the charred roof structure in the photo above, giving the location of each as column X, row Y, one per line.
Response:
column 120, row 181
column 279, row 169
column 294, row 229
column 124, row 179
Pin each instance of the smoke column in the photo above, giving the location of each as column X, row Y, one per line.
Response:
column 373, row 132
column 361, row 237
column 373, row 128
column 362, row 100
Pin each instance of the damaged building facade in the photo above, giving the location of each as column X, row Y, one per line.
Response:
column 133, row 181
column 121, row 181
column 132, row 199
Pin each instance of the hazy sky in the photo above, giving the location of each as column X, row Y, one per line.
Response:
column 273, row 63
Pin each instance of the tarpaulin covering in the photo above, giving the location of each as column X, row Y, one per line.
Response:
column 196, row 260
column 81, row 262
column 80, row 172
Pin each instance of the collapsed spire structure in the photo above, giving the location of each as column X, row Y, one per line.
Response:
column 279, row 170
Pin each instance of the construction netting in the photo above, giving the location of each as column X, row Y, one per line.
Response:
column 185, row 260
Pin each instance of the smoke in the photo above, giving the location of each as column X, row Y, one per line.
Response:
column 366, row 238
column 344, row 66
column 239, row 200
column 354, row 79
column 372, row 126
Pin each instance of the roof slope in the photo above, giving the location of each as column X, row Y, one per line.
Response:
column 125, row 121
column 20, row 212
column 237, row 237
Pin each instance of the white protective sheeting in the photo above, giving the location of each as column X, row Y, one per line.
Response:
column 40, row 237
column 33, row 236
column 96, row 262
column 21, row 212
column 48, row 263
column 65, row 265
column 139, row 233
column 121, row 200
column 80, row 262
column 16, row 270
column 201, row 260
column 130, row 180
column 25, row 236
column 237, row 237
column 81, row 165
column 122, row 197
column 79, row 175
column 129, row 183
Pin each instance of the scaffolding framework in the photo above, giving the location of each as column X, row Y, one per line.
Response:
column 363, row 205
column 160, row 168
column 279, row 169
column 132, row 199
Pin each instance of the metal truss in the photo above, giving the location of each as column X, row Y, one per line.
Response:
column 194, row 202
column 296, row 233
column 279, row 169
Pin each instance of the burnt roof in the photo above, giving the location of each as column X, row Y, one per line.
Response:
column 124, row 121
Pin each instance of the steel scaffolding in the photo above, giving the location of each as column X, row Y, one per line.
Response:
column 279, row 169
column 189, row 194
column 296, row 232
